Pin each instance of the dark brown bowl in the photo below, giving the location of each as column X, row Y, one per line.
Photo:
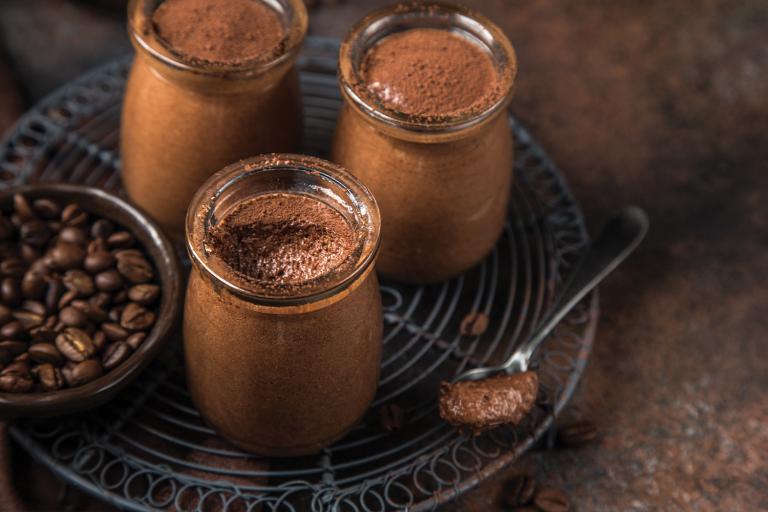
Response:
column 163, row 255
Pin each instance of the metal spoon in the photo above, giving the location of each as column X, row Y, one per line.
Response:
column 620, row 236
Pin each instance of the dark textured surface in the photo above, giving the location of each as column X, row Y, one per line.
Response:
column 663, row 104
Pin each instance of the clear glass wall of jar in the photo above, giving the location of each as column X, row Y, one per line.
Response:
column 182, row 120
column 283, row 374
column 442, row 183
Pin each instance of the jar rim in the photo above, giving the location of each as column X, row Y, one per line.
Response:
column 418, row 14
column 142, row 33
column 201, row 210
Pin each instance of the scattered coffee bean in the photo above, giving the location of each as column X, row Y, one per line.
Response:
column 391, row 417
column 550, row 499
column 136, row 318
column 519, row 491
column 76, row 296
column 45, row 353
column 144, row 294
column 85, row 372
column 577, row 433
column 49, row 376
column 135, row 340
column 474, row 324
column 115, row 355
column 75, row 344
column 73, row 215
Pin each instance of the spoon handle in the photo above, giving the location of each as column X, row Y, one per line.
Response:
column 620, row 236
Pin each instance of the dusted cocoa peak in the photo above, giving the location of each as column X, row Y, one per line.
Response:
column 277, row 240
column 431, row 72
column 226, row 32
column 484, row 404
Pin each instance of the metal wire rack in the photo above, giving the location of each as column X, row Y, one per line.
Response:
column 149, row 449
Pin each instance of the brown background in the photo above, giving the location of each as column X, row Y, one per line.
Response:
column 661, row 103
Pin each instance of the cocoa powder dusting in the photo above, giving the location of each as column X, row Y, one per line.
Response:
column 281, row 239
column 225, row 32
column 430, row 72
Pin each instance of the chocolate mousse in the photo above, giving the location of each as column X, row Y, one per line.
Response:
column 226, row 32
column 484, row 404
column 282, row 240
column 430, row 72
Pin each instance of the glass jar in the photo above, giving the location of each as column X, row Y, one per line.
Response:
column 442, row 182
column 285, row 373
column 183, row 120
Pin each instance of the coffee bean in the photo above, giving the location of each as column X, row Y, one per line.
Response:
column 120, row 240
column 30, row 254
column 55, row 226
column 14, row 348
column 127, row 253
column 73, row 235
column 7, row 229
column 35, row 233
column 67, row 298
column 550, row 499
column 99, row 340
column 474, row 324
column 85, row 372
column 67, row 256
column 114, row 332
column 6, row 314
column 73, row 215
column 49, row 376
column 46, row 208
column 79, row 282
column 17, row 368
column 109, row 281
column 22, row 358
column 13, row 267
column 10, row 292
column 33, row 285
column 101, row 300
column 115, row 314
column 28, row 320
column 135, row 269
column 53, row 293
column 577, row 433
column 73, row 317
column 12, row 330
column 22, row 208
column 98, row 261
column 102, row 228
column 98, row 245
column 518, row 491
column 115, row 355
column 136, row 339
column 391, row 417
column 75, row 344
column 43, row 334
column 45, row 353
column 144, row 294
column 34, row 306
column 14, row 383
column 120, row 298
column 136, row 318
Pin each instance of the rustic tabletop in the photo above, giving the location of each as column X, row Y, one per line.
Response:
column 660, row 104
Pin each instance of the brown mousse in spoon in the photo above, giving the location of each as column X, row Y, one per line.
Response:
column 485, row 404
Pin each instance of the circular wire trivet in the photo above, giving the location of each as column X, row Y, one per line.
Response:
column 149, row 448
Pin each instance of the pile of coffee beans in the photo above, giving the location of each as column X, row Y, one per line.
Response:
column 77, row 296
